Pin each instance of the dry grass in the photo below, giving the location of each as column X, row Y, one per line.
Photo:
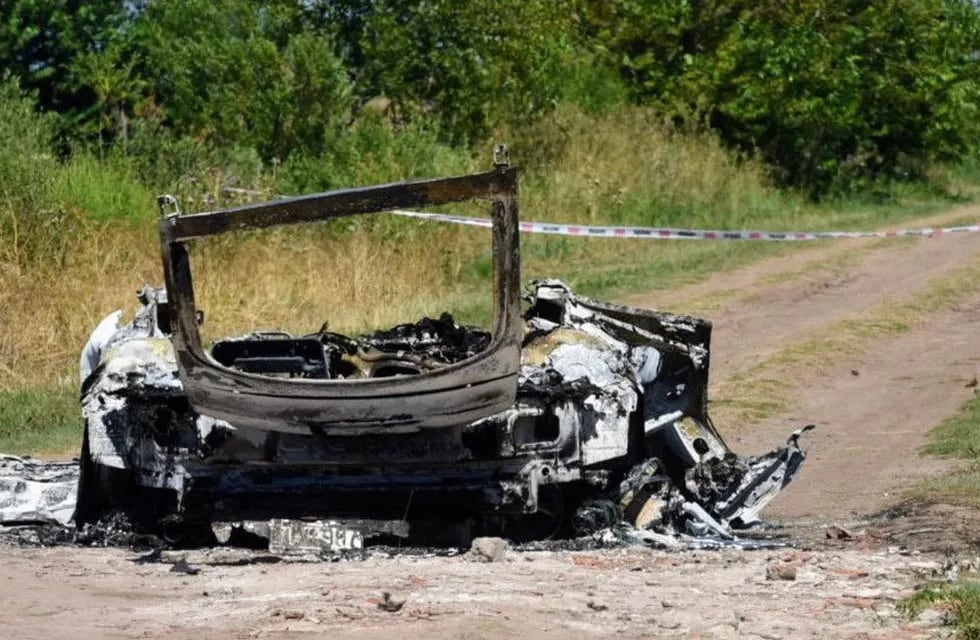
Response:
column 294, row 279
column 362, row 274
column 298, row 279
column 625, row 168
column 46, row 312
column 631, row 168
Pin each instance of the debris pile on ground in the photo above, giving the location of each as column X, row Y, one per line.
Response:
column 487, row 550
column 35, row 491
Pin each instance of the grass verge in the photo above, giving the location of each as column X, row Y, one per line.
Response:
column 958, row 437
column 961, row 599
column 40, row 419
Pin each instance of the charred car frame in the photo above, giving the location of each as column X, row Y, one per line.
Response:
column 568, row 417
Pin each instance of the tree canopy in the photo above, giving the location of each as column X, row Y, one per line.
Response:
column 832, row 95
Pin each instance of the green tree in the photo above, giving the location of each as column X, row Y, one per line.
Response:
column 469, row 65
column 41, row 39
column 832, row 94
column 235, row 72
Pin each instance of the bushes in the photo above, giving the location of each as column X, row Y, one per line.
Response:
column 240, row 74
column 833, row 95
column 32, row 222
column 468, row 66
column 372, row 151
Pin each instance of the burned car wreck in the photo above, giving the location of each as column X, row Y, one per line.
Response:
column 567, row 417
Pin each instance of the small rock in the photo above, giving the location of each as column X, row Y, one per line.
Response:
column 926, row 565
column 595, row 606
column 865, row 594
column 487, row 550
column 182, row 566
column 856, row 603
column 387, row 604
column 850, row 573
column 721, row 632
column 667, row 605
column 931, row 619
column 837, row 532
column 781, row 572
column 855, row 372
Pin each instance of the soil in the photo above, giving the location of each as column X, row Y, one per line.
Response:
column 872, row 416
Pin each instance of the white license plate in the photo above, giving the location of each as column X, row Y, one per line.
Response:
column 319, row 536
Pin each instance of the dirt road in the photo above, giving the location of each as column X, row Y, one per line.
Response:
column 872, row 411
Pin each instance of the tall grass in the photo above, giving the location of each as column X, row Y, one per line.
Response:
column 622, row 166
column 104, row 190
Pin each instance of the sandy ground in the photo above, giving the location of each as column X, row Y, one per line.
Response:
column 872, row 417
column 847, row 592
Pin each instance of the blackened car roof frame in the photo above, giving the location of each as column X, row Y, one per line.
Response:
column 457, row 394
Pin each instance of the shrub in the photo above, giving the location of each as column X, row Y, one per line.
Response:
column 32, row 223
column 834, row 96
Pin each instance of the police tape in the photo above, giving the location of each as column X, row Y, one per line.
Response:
column 662, row 233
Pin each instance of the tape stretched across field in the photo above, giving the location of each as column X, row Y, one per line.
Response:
column 656, row 233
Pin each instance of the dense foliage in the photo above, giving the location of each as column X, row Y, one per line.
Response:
column 832, row 95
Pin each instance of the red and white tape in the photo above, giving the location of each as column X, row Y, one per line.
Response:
column 658, row 233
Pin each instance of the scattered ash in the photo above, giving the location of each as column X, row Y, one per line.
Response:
column 585, row 543
column 115, row 530
column 37, row 535
column 390, row 551
column 623, row 536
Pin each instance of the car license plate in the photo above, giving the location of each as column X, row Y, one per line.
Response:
column 318, row 536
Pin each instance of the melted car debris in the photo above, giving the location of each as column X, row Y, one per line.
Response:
column 35, row 491
column 609, row 444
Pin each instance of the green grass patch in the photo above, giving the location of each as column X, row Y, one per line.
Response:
column 961, row 599
column 42, row 420
column 957, row 437
column 104, row 190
